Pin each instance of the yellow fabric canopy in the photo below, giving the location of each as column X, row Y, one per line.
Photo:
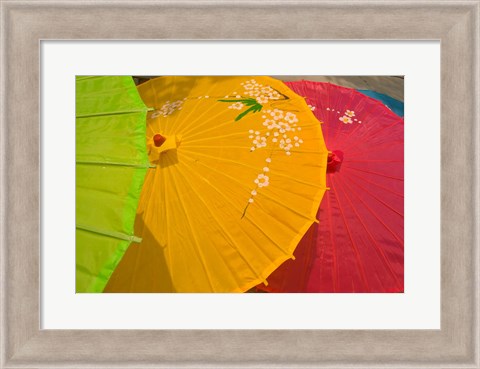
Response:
column 240, row 173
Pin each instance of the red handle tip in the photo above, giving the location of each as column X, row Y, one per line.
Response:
column 158, row 140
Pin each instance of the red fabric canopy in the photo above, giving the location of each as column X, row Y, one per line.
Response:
column 358, row 244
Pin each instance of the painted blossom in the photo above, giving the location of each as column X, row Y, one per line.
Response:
column 262, row 180
column 345, row 119
column 290, row 117
column 350, row 113
column 236, row 106
column 262, row 99
column 168, row 108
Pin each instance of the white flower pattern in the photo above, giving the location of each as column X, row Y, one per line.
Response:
column 236, row 106
column 348, row 116
column 168, row 108
column 345, row 119
column 262, row 180
column 280, row 129
column 262, row 93
column 262, row 99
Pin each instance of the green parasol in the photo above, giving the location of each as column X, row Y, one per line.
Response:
column 111, row 163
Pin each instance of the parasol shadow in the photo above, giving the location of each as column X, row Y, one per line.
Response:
column 143, row 268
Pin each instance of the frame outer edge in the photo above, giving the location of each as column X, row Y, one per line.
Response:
column 476, row 186
column 456, row 144
column 22, row 186
column 3, row 191
column 21, row 347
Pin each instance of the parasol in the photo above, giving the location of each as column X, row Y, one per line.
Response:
column 394, row 105
column 240, row 173
column 358, row 244
column 111, row 163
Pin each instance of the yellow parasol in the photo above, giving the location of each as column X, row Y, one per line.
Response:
column 240, row 173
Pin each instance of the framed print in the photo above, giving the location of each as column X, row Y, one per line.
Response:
column 82, row 31
column 416, row 308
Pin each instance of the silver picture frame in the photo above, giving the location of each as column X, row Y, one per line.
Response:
column 24, row 24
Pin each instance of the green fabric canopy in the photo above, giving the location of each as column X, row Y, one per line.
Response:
column 111, row 163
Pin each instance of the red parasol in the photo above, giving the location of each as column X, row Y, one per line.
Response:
column 358, row 244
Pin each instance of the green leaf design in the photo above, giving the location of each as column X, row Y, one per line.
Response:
column 254, row 109
column 254, row 106
column 246, row 101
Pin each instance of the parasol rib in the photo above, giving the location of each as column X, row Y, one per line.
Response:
column 378, row 249
column 253, row 223
column 226, row 233
column 120, row 236
column 308, row 217
column 198, row 247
